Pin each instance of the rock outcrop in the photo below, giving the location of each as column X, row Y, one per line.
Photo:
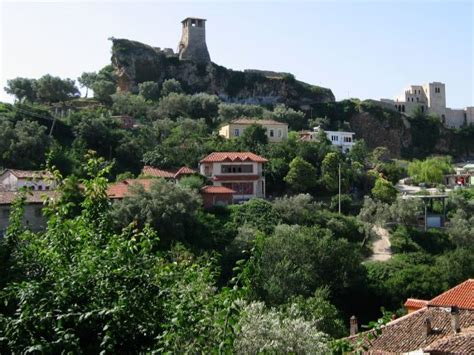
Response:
column 135, row 62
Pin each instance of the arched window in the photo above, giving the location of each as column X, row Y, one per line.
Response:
column 403, row 108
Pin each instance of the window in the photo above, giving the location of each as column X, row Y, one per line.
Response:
column 417, row 99
column 5, row 213
column 347, row 139
column 272, row 133
column 241, row 188
column 236, row 132
column 334, row 138
column 232, row 169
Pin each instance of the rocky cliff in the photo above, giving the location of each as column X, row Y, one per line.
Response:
column 135, row 62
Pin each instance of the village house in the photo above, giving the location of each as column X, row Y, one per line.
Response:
column 444, row 325
column 241, row 172
column 33, row 218
column 276, row 131
column 344, row 141
column 13, row 180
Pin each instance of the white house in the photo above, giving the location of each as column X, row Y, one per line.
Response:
column 239, row 171
column 343, row 140
column 12, row 180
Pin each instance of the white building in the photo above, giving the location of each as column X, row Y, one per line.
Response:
column 13, row 180
column 238, row 171
column 431, row 98
column 340, row 139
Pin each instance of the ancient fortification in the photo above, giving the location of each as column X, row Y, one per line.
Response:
column 136, row 62
column 193, row 41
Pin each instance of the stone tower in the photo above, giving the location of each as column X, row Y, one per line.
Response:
column 193, row 41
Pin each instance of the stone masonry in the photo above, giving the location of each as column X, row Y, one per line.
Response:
column 193, row 41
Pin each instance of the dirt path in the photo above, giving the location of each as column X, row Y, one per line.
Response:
column 381, row 247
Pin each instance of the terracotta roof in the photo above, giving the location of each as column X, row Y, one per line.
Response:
column 217, row 190
column 460, row 343
column 235, row 177
column 408, row 333
column 250, row 121
column 232, row 157
column 461, row 296
column 415, row 303
column 8, row 197
column 120, row 189
column 30, row 174
column 167, row 174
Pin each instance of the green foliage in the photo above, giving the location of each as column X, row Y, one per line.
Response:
column 296, row 119
column 425, row 132
column 297, row 209
column 384, row 190
column 302, row 176
column 298, row 260
column 128, row 104
column 406, row 240
column 22, row 88
column 359, row 152
column 329, row 171
column 23, row 145
column 54, row 89
column 168, row 208
column 461, row 229
column 272, row 331
column 149, row 90
column 105, row 84
column 193, row 182
column 253, row 137
column 171, row 86
column 430, row 170
column 87, row 80
column 256, row 213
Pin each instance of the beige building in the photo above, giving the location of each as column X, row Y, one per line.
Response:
column 12, row 180
column 276, row 131
column 431, row 98
column 241, row 172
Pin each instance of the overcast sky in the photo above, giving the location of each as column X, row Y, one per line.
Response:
column 369, row 49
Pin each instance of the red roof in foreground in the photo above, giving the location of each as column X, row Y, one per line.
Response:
column 233, row 157
column 217, row 190
column 460, row 343
column 461, row 296
column 167, row 174
column 415, row 303
column 120, row 189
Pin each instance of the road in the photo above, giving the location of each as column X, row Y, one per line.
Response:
column 381, row 247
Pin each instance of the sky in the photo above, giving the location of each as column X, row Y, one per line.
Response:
column 364, row 49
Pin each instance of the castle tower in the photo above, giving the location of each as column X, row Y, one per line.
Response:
column 193, row 41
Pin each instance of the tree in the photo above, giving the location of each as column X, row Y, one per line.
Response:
column 254, row 136
column 168, row 208
column 359, row 152
column 271, row 331
column 330, row 171
column 384, row 190
column 256, row 213
column 23, row 145
column 171, row 86
column 149, row 90
column 105, row 84
column 296, row 119
column 302, row 176
column 87, row 80
column 430, row 171
column 298, row 260
column 22, row 88
column 461, row 229
column 54, row 89
column 129, row 104
column 174, row 105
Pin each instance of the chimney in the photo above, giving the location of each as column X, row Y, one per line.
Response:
column 427, row 325
column 455, row 319
column 354, row 326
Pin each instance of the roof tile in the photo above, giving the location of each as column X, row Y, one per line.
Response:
column 217, row 157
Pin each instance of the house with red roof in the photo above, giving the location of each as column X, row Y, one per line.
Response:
column 217, row 196
column 119, row 190
column 443, row 325
column 238, row 171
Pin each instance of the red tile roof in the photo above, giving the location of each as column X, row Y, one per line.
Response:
column 235, row 177
column 460, row 343
column 461, row 296
column 415, row 303
column 121, row 189
column 8, row 197
column 408, row 333
column 167, row 174
column 233, row 157
column 217, row 190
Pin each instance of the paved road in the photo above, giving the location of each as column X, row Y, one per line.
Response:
column 381, row 247
column 411, row 189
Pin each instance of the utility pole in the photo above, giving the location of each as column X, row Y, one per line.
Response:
column 339, row 202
